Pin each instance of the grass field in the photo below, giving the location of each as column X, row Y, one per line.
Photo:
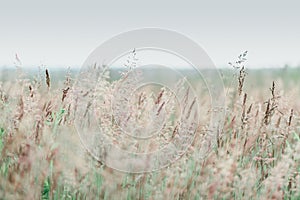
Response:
column 256, row 154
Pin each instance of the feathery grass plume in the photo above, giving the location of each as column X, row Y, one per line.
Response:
column 131, row 61
column 238, row 65
column 272, row 105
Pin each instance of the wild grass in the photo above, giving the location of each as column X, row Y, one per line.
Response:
column 256, row 156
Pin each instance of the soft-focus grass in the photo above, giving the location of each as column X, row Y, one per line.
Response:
column 256, row 156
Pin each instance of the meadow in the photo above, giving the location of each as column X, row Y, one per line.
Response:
column 256, row 155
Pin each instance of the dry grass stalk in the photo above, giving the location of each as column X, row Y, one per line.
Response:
column 65, row 92
column 241, row 78
column 48, row 79
column 291, row 117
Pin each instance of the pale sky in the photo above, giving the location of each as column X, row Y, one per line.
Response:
column 64, row 33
